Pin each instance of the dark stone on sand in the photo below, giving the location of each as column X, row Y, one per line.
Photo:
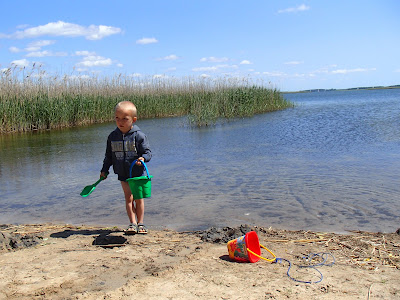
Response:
column 225, row 234
column 398, row 231
column 18, row 241
column 68, row 232
column 106, row 240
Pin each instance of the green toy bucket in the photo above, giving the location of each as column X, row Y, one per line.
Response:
column 140, row 186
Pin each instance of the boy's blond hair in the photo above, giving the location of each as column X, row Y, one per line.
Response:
column 127, row 106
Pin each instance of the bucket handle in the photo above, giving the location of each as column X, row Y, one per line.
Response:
column 270, row 260
column 133, row 163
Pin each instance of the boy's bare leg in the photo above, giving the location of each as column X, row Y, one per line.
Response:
column 130, row 207
column 139, row 210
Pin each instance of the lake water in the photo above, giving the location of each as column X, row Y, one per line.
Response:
column 329, row 164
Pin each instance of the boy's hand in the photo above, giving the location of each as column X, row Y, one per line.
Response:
column 139, row 161
column 103, row 175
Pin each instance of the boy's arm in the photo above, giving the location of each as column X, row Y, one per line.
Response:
column 143, row 147
column 107, row 162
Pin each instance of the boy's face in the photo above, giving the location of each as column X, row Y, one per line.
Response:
column 124, row 120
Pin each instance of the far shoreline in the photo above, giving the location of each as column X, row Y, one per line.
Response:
column 390, row 87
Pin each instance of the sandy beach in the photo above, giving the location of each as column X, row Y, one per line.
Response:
column 49, row 261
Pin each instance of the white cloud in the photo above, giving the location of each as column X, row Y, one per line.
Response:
column 20, row 62
column 274, row 74
column 301, row 75
column 101, row 31
column 293, row 62
column 135, row 75
column 60, row 28
column 14, row 49
column 94, row 61
column 298, row 8
column 397, row 71
column 214, row 68
column 32, row 49
column 34, row 46
column 37, row 45
column 169, row 57
column 120, row 65
column 324, row 70
column 205, row 69
column 45, row 53
column 84, row 53
column 145, row 41
column 214, row 59
column 42, row 43
column 205, row 76
column 246, row 62
column 159, row 76
column 22, row 26
column 80, row 69
column 346, row 71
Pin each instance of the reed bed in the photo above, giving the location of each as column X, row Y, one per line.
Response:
column 36, row 101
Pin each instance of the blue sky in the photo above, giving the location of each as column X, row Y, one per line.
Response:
column 292, row 45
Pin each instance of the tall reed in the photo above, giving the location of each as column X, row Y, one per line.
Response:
column 37, row 101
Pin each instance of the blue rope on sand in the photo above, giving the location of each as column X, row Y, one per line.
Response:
column 322, row 255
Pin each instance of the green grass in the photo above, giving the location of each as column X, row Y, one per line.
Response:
column 38, row 102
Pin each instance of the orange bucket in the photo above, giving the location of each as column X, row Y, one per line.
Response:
column 247, row 249
column 237, row 248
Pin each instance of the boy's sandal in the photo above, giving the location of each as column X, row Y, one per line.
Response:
column 132, row 229
column 142, row 229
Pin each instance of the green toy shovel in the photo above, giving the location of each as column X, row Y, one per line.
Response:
column 87, row 190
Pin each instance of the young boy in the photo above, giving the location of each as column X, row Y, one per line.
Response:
column 125, row 144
